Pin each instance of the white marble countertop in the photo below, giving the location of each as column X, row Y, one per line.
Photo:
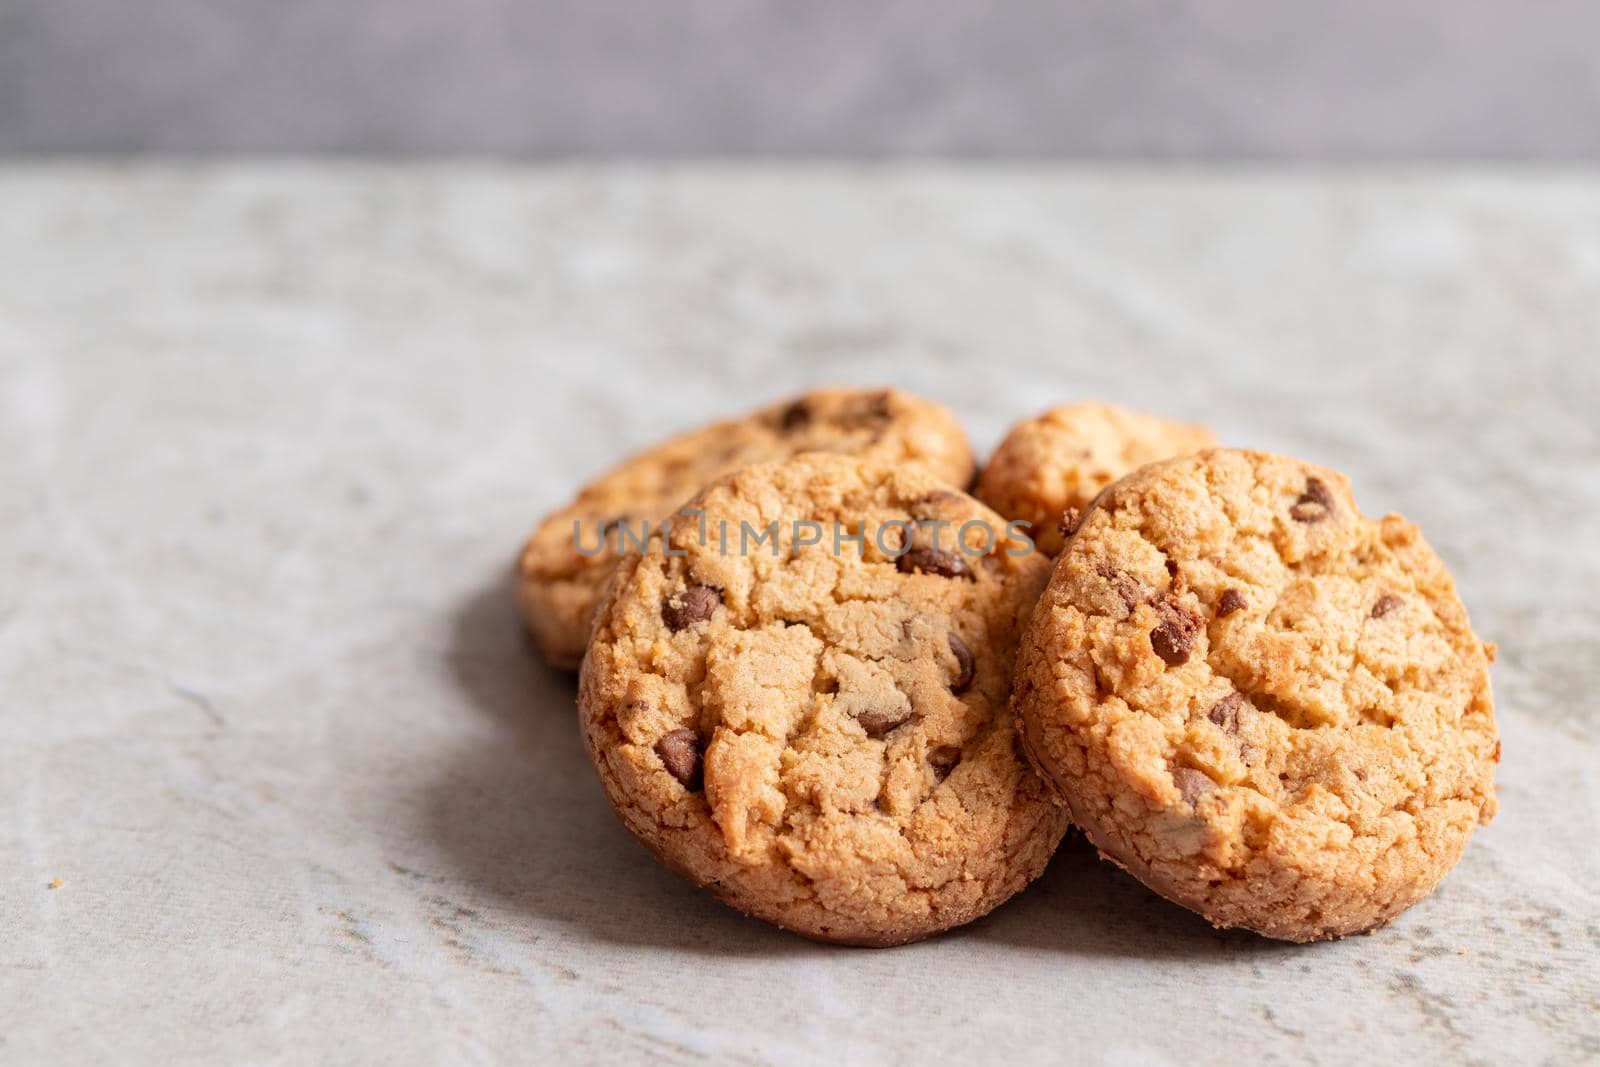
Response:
column 270, row 436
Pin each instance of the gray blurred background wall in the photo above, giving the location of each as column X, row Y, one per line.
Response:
column 1403, row 79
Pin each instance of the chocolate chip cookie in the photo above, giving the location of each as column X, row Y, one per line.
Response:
column 574, row 550
column 815, row 726
column 1059, row 460
column 1266, row 706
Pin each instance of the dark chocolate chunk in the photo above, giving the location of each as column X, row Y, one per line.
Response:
column 967, row 666
column 1386, row 603
column 879, row 721
column 868, row 412
column 1231, row 601
column 1173, row 637
column 1225, row 712
column 695, row 604
column 795, row 416
column 1125, row 585
column 680, row 754
column 934, row 561
column 1192, row 784
column 1314, row 505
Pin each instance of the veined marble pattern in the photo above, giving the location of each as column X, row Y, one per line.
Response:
column 270, row 436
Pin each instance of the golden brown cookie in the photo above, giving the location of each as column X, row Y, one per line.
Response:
column 1062, row 458
column 1267, row 707
column 819, row 733
column 574, row 550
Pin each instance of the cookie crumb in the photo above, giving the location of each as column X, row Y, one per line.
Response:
column 55, row 883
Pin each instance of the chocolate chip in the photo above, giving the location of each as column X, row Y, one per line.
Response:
column 1361, row 775
column 1225, row 712
column 967, row 668
column 1192, row 784
column 1314, row 505
column 695, row 604
column 879, row 721
column 794, row 416
column 1231, row 601
column 1173, row 638
column 1171, row 644
column 1386, row 603
column 1126, row 585
column 934, row 561
column 680, row 754
column 867, row 412
column 1071, row 519
column 943, row 760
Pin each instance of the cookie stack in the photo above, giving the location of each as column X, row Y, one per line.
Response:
column 828, row 685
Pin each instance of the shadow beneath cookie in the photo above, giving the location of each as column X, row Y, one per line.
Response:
column 1084, row 906
column 521, row 817
column 531, row 829
column 493, row 662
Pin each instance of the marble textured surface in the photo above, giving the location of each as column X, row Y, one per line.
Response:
column 270, row 436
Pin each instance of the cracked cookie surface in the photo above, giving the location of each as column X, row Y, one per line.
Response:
column 1266, row 706
column 821, row 738
column 1063, row 457
column 558, row 585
